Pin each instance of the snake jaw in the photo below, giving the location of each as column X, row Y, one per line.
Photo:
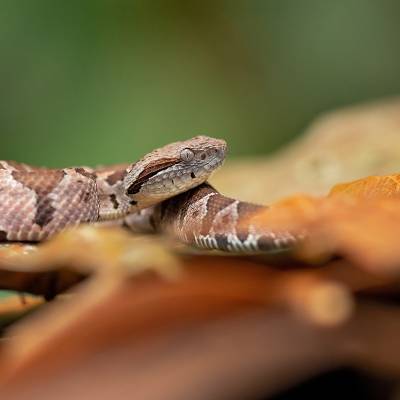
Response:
column 164, row 172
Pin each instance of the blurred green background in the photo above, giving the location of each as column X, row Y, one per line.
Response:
column 103, row 81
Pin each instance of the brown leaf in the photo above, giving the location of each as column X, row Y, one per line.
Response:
column 370, row 188
column 360, row 221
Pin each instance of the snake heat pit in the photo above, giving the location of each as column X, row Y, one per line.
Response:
column 164, row 191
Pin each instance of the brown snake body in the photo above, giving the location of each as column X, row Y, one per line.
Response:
column 165, row 190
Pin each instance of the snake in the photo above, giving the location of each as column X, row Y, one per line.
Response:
column 164, row 191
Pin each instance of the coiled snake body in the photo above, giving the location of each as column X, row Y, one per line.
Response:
column 163, row 191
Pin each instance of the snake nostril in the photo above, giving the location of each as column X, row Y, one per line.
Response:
column 192, row 175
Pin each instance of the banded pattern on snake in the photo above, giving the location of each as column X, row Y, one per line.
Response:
column 164, row 191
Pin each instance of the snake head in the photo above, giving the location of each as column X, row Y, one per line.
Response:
column 173, row 169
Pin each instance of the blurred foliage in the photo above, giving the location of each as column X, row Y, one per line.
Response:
column 89, row 82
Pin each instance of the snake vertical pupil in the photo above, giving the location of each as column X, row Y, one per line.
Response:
column 187, row 155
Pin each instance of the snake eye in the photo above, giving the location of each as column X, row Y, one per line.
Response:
column 187, row 155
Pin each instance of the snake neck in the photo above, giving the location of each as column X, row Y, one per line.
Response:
column 114, row 203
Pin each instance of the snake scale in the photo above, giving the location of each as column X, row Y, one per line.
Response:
column 164, row 191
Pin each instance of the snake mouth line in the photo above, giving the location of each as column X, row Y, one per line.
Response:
column 214, row 164
column 209, row 167
column 176, row 182
column 194, row 173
